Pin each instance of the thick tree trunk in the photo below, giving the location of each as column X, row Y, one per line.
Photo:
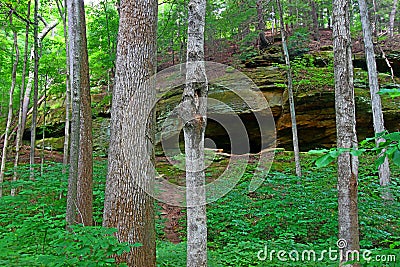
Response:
column 21, row 101
column 392, row 18
column 35, row 89
column 346, row 130
column 127, row 206
column 290, row 93
column 10, row 109
column 194, row 116
column 377, row 114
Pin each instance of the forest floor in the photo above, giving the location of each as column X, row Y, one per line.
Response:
column 285, row 212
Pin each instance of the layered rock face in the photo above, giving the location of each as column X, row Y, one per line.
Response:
column 315, row 107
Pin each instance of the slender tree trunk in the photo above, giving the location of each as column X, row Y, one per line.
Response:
column 375, row 19
column 73, row 44
column 290, row 93
column 261, row 25
column 85, row 165
column 127, row 206
column 329, row 19
column 67, row 86
column 79, row 198
column 346, row 130
column 35, row 88
column 109, row 70
column 273, row 25
column 31, row 74
column 377, row 114
column 194, row 116
column 314, row 20
column 42, row 156
column 290, row 10
column 10, row 109
column 21, row 101
column 392, row 18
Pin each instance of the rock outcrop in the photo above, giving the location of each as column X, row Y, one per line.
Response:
column 315, row 107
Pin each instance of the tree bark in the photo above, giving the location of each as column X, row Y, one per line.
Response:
column 392, row 18
column 261, row 25
column 31, row 74
column 346, row 129
column 67, row 86
column 10, row 109
column 74, row 41
column 21, row 101
column 290, row 93
column 194, row 116
column 79, row 198
column 314, row 20
column 376, row 104
column 131, row 174
column 35, row 89
column 85, row 163
column 375, row 19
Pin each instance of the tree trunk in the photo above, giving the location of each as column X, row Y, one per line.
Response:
column 10, row 108
column 315, row 20
column 194, row 116
column 79, row 198
column 21, row 101
column 85, row 165
column 67, row 86
column 375, row 19
column 392, row 18
column 74, row 39
column 42, row 156
column 261, row 26
column 290, row 10
column 35, row 89
column 131, row 174
column 290, row 92
column 346, row 130
column 31, row 74
column 377, row 114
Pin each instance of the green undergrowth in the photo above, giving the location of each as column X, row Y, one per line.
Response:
column 285, row 213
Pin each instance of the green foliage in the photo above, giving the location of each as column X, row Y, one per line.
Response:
column 389, row 146
column 298, row 42
column 102, row 35
column 393, row 92
column 285, row 213
column 311, row 72
column 32, row 226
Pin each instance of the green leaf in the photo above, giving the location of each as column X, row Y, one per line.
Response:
column 324, row 161
column 318, row 151
column 396, row 157
column 391, row 150
column 380, row 161
column 357, row 153
column 392, row 136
